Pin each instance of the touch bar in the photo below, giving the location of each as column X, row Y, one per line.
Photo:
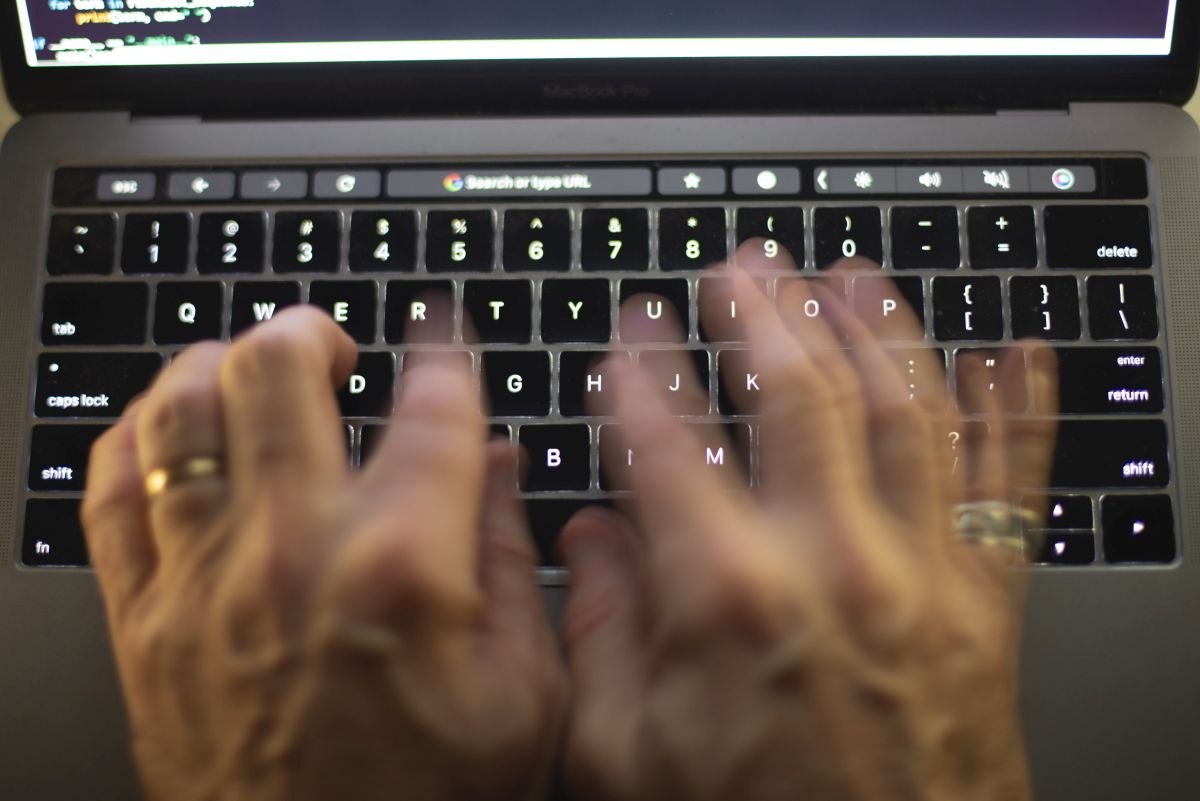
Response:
column 519, row 182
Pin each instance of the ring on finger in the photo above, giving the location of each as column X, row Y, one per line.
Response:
column 160, row 480
column 995, row 524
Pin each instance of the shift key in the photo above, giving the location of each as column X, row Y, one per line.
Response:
column 1093, row 454
column 92, row 384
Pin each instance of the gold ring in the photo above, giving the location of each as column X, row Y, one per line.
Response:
column 160, row 480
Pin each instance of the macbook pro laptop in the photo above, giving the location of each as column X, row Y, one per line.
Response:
column 186, row 168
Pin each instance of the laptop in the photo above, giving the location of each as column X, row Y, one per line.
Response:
column 186, row 169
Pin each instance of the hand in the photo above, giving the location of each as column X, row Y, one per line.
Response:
column 826, row 636
column 291, row 630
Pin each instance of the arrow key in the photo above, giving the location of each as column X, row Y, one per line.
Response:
column 201, row 186
column 1061, row 548
column 1138, row 528
column 286, row 185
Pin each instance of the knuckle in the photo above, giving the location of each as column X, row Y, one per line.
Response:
column 176, row 408
column 267, row 350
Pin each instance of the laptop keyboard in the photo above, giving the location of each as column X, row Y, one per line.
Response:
column 141, row 263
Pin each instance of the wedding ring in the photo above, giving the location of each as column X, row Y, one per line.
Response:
column 164, row 478
column 995, row 524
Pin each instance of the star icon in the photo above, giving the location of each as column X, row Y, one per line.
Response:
column 692, row 222
column 691, row 181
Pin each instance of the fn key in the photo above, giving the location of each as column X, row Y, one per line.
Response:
column 53, row 534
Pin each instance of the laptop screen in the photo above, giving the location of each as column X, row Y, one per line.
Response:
column 59, row 33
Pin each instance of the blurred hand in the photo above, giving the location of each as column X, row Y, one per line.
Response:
column 291, row 630
column 825, row 636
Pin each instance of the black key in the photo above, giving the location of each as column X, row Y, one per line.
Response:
column 259, row 301
column 576, row 310
column 91, row 384
column 81, row 244
column 925, row 238
column 368, row 392
column 1045, row 307
column 383, row 241
column 1111, row 453
column 1053, row 548
column 880, row 300
column 95, row 314
column 720, row 447
column 691, row 239
column 847, row 232
column 58, row 457
column 230, row 243
column 518, row 383
column 459, row 241
column 781, row 229
column 1098, row 237
column 739, row 384
column 351, row 304
column 537, row 240
column 155, row 243
column 500, row 430
column 371, row 437
column 1138, row 528
column 1109, row 381
column 1002, row 237
column 686, row 394
column 675, row 293
column 307, row 241
column 583, row 388
column 500, row 311
column 559, row 458
column 616, row 239
column 419, row 311
column 187, row 312
column 1122, row 307
column 967, row 308
column 1069, row 512
column 547, row 516
column 1011, row 397
column 53, row 534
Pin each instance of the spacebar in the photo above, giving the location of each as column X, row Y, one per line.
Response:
column 1094, row 454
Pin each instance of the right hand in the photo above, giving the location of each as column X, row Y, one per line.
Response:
column 825, row 638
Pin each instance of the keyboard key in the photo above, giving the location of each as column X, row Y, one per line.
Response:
column 559, row 458
column 368, row 392
column 1122, row 307
column 576, row 310
column 230, row 242
column 1069, row 512
column 1138, row 528
column 259, row 301
column 92, row 384
column 419, row 311
column 351, row 304
column 371, row 438
column 967, row 308
column 691, row 239
column 517, row 382
column 356, row 184
column 616, row 239
column 53, row 534
column 1098, row 237
column 383, row 240
column 847, row 232
column 1002, row 238
column 547, row 517
column 95, row 314
column 58, row 457
column 155, row 243
column 203, row 186
column 720, row 447
column 126, row 186
column 1111, row 453
column 459, row 241
column 187, row 312
column 1011, row 397
column 500, row 311
column 739, row 386
column 537, row 239
column 781, row 229
column 1045, row 307
column 686, row 393
column 1066, row 549
column 667, row 292
column 307, row 241
column 583, row 387
column 1109, row 381
column 878, row 302
column 81, row 244
column 925, row 238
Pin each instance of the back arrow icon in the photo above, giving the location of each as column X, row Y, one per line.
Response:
column 823, row 180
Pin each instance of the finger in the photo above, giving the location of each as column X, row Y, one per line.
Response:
column 603, row 633
column 515, row 610
column 987, row 471
column 277, row 386
column 1032, row 440
column 115, row 516
column 180, row 420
